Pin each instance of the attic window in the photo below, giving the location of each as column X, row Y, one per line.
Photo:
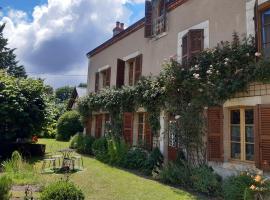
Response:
column 155, row 18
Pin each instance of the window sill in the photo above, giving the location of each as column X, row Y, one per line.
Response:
column 235, row 161
column 161, row 35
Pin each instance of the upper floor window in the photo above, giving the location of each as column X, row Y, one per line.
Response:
column 155, row 17
column 192, row 44
column 262, row 20
column 129, row 72
column 103, row 79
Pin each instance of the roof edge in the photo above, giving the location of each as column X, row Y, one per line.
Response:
column 131, row 29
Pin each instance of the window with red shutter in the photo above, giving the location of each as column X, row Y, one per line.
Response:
column 148, row 19
column 262, row 137
column 89, row 126
column 215, row 134
column 128, row 128
column 196, row 41
column 147, row 133
column 185, row 50
column 120, row 77
column 98, row 126
column 138, row 68
column 97, row 82
column 108, row 77
column 192, row 44
column 131, row 73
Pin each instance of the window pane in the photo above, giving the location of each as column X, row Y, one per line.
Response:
column 235, row 133
column 266, row 17
column 250, row 152
column 266, row 32
column 235, row 117
column 250, row 134
column 235, row 151
column 249, row 115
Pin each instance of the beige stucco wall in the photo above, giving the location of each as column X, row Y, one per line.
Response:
column 225, row 16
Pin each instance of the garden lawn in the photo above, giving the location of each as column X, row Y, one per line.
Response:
column 102, row 182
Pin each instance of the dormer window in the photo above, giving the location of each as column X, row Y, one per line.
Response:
column 155, row 18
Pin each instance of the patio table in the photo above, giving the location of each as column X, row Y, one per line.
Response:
column 67, row 154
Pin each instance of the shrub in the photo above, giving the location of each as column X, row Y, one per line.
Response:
column 74, row 141
column 19, row 171
column 68, row 125
column 100, row 149
column 153, row 162
column 175, row 174
column 135, row 158
column 83, row 143
column 5, row 187
column 62, row 190
column 234, row 187
column 117, row 151
column 204, row 180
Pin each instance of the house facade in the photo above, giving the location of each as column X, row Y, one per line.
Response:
column 239, row 131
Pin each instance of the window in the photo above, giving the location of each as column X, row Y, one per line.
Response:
column 144, row 131
column 155, row 18
column 242, row 134
column 131, row 72
column 134, row 69
column 266, row 32
column 96, row 82
column 141, row 128
column 106, row 77
column 262, row 20
column 192, row 44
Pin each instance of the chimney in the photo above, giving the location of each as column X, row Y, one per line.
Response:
column 118, row 28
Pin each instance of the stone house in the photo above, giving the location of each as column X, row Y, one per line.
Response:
column 239, row 132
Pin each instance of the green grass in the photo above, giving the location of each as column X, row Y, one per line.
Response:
column 102, row 182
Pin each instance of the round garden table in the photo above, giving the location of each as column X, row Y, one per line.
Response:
column 67, row 154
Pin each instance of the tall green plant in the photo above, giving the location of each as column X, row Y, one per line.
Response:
column 5, row 187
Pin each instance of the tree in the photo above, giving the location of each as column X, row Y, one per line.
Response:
column 8, row 60
column 23, row 107
column 68, row 125
column 64, row 93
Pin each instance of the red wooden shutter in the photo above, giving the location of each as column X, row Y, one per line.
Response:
column 147, row 133
column 130, row 73
column 89, row 126
column 120, row 77
column 215, row 134
column 165, row 16
column 107, row 117
column 97, row 82
column 138, row 68
column 196, row 42
column 148, row 19
column 108, row 77
column 185, row 50
column 98, row 127
column 128, row 128
column 257, row 25
column 262, row 137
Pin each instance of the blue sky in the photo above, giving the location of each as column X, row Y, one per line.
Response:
column 52, row 37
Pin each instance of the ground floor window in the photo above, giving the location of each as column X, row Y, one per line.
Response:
column 141, row 120
column 242, row 134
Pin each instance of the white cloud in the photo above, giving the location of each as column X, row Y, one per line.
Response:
column 62, row 32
